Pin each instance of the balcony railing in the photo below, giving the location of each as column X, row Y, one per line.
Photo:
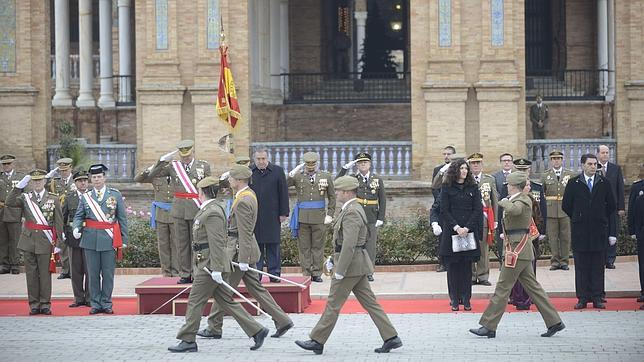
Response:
column 538, row 151
column 125, row 86
column 346, row 87
column 74, row 67
column 120, row 159
column 391, row 159
column 568, row 84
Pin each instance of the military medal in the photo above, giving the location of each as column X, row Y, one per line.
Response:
column 194, row 181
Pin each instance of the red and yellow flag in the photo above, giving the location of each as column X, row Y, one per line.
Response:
column 227, row 105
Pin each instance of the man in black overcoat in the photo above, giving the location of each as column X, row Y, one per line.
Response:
column 636, row 225
column 613, row 172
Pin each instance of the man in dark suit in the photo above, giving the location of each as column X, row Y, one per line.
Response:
column 589, row 202
column 448, row 153
column 636, row 225
column 613, row 173
column 269, row 184
column 506, row 160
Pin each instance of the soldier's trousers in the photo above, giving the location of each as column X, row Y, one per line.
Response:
column 338, row 294
column 311, row 248
column 203, row 287
column 257, row 291
column 522, row 272
column 558, row 231
column 372, row 240
column 183, row 237
column 481, row 268
column 168, row 249
column 9, row 236
column 64, row 258
column 38, row 279
column 100, row 268
column 80, row 278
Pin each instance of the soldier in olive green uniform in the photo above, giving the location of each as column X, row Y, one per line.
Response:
column 211, row 250
column 61, row 181
column 371, row 195
column 185, row 175
column 243, row 249
column 311, row 213
column 351, row 267
column 10, row 217
column 489, row 195
column 517, row 217
column 162, row 221
column 43, row 227
column 558, row 223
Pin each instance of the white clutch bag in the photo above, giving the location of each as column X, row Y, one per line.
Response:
column 463, row 243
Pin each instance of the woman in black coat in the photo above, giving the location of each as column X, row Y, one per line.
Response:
column 461, row 213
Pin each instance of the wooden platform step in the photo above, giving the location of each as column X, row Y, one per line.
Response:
column 180, row 306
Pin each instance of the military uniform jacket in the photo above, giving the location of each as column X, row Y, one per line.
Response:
column 8, row 213
column 350, row 233
column 374, row 190
column 35, row 241
column 59, row 186
column 241, row 225
column 554, row 189
column 321, row 189
column 114, row 209
column 163, row 192
column 489, row 195
column 69, row 210
column 517, row 214
column 209, row 227
column 185, row 209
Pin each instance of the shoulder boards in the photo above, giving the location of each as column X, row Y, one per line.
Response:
column 114, row 190
column 637, row 181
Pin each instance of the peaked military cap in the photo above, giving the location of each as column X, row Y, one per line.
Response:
column 97, row 169
column 522, row 164
column 476, row 156
column 208, row 181
column 311, row 157
column 363, row 156
column 37, row 174
column 240, row 172
column 64, row 163
column 242, row 160
column 346, row 183
column 516, row 178
column 80, row 174
column 4, row 159
column 185, row 147
column 556, row 154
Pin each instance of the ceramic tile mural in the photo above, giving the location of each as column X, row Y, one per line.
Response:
column 161, row 14
column 445, row 23
column 213, row 24
column 7, row 36
column 496, row 10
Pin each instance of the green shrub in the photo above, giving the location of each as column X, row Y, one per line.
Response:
column 142, row 249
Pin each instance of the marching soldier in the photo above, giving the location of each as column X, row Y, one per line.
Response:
column 43, row 227
column 244, row 250
column 162, row 221
column 558, row 223
column 489, row 195
column 59, row 185
column 101, row 224
column 350, row 266
column 371, row 195
column 517, row 216
column 10, row 217
column 311, row 214
column 212, row 251
column 80, row 278
column 185, row 175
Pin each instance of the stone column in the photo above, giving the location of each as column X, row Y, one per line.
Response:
column 611, row 51
column 275, row 43
column 602, row 44
column 62, row 98
column 85, row 96
column 284, row 61
column 105, row 38
column 361, row 22
column 125, row 52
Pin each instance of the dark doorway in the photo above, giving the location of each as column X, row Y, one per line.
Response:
column 538, row 36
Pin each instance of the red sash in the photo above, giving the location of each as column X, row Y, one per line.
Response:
column 117, row 241
column 186, row 195
column 490, row 224
column 53, row 257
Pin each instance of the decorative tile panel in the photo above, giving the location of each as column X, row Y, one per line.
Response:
column 213, row 24
column 445, row 23
column 161, row 15
column 496, row 15
column 7, row 36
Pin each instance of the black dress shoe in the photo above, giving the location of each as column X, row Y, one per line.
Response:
column 564, row 267
column 317, row 279
column 599, row 305
column 34, row 311
column 485, row 282
column 5, row 271
column 64, row 276
column 94, row 311
column 640, row 299
column 483, row 332
column 642, row 307
column 554, row 329
column 610, row 266
column 581, row 305
column 311, row 345
column 280, row 331
column 207, row 333
column 554, row 267
column 440, row 269
column 182, row 280
column 467, row 307
column 370, row 278
column 45, row 311
column 274, row 280
column 523, row 307
column 15, row 271
column 184, row 347
column 108, row 311
column 454, row 308
column 76, row 304
column 391, row 343
column 259, row 339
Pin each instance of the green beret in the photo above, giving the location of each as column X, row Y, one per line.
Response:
column 207, row 181
column 240, row 172
column 311, row 157
column 517, row 178
column 346, row 183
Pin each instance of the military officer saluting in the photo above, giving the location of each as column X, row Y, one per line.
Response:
column 185, row 174
column 350, row 267
column 10, row 217
column 371, row 195
column 61, row 181
column 43, row 228
column 558, row 223
column 311, row 212
column 518, row 256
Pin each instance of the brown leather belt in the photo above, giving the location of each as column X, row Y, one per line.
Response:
column 554, row 198
column 366, row 202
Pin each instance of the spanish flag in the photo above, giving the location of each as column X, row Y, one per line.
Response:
column 227, row 105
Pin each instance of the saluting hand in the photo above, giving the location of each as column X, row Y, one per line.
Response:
column 296, row 170
column 168, row 156
column 24, row 182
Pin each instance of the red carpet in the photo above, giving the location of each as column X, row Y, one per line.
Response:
column 128, row 306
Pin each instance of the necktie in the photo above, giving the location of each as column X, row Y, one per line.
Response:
column 590, row 184
column 99, row 195
column 37, row 197
column 312, row 179
column 365, row 179
column 505, row 175
column 558, row 173
column 187, row 167
column 478, row 180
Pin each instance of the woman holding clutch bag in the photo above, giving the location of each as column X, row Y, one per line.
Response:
column 461, row 212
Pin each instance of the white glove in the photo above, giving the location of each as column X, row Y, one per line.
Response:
column 339, row 276
column 124, row 246
column 502, row 236
column 329, row 264
column 541, row 237
column 612, row 240
column 56, row 250
column 77, row 234
column 349, row 164
column 295, row 170
column 216, row 276
column 379, row 223
column 444, row 168
column 634, row 237
column 24, row 182
column 243, row 266
column 496, row 224
column 149, row 169
column 51, row 173
column 224, row 176
column 64, row 237
column 168, row 156
column 328, row 219
column 436, row 229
